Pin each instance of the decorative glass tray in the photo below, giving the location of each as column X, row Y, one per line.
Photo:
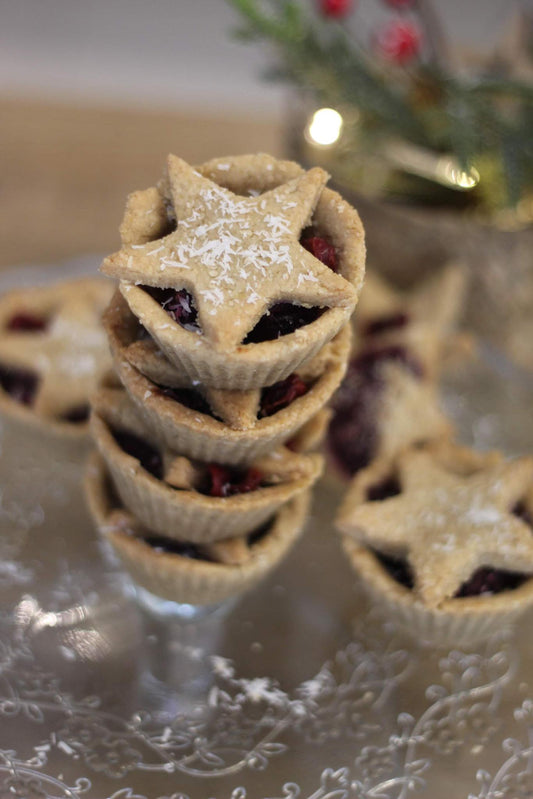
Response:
column 297, row 691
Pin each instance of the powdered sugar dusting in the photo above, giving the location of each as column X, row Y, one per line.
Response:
column 224, row 233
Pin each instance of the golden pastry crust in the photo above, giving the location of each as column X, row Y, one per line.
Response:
column 238, row 435
column 236, row 252
column 173, row 507
column 311, row 436
column 182, row 579
column 453, row 515
column 68, row 357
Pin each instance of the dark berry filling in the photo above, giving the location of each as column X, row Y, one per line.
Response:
column 383, row 324
column 188, row 550
column 521, row 510
column 172, row 222
column 142, row 334
column 280, row 320
column 369, row 361
column 169, row 546
column 189, row 397
column 321, row 249
column 179, row 305
column 20, row 384
column 257, row 535
column 280, row 395
column 397, row 568
column 491, row 581
column 77, row 415
column 224, row 481
column 352, row 435
column 390, row 487
column 148, row 456
column 27, row 323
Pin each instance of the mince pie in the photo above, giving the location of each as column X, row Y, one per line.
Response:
column 211, row 424
column 240, row 269
column 444, row 539
column 53, row 352
column 189, row 500
column 383, row 405
column 181, row 571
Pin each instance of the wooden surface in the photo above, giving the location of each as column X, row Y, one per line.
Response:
column 66, row 170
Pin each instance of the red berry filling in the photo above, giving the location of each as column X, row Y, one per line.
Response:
column 224, row 481
column 321, row 249
column 148, row 456
column 281, row 394
column 179, row 305
column 352, row 435
column 491, row 581
column 383, row 324
column 27, row 323
column 20, row 384
column 397, row 568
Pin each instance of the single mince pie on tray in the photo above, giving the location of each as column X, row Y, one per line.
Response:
column 385, row 403
column 188, row 500
column 240, row 269
column 423, row 319
column 53, row 352
column 183, row 571
column 443, row 539
column 212, row 424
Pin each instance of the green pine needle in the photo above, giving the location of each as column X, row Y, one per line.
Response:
column 472, row 119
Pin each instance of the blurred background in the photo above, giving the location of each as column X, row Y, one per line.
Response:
column 94, row 94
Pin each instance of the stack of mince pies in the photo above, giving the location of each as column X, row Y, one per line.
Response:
column 229, row 333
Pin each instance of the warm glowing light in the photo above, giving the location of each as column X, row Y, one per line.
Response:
column 325, row 127
column 459, row 178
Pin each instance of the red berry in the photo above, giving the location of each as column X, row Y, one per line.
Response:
column 26, row 322
column 281, row 394
column 322, row 250
column 399, row 41
column 335, row 8
column 226, row 482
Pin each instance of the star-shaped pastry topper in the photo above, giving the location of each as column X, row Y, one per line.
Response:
column 70, row 354
column 447, row 524
column 409, row 412
column 236, row 255
column 423, row 318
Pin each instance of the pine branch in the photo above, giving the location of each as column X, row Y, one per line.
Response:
column 472, row 119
